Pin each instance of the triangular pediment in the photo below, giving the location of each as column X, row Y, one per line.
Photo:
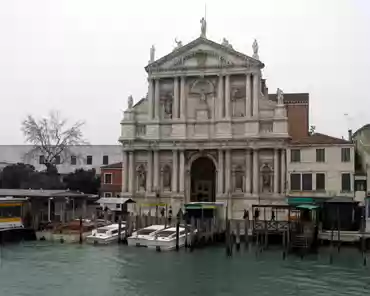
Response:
column 203, row 53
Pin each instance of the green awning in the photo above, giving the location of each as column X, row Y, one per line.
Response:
column 307, row 207
column 300, row 200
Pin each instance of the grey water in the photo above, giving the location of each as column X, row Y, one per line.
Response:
column 43, row 268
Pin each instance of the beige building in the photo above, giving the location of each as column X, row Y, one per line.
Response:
column 320, row 167
column 207, row 130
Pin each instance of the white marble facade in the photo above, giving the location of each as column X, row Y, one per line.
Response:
column 205, row 101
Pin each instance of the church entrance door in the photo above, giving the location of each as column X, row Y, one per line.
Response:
column 203, row 180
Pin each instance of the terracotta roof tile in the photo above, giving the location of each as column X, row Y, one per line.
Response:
column 117, row 165
column 318, row 138
column 292, row 98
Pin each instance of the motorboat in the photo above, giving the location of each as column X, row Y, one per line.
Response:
column 106, row 234
column 165, row 240
column 140, row 238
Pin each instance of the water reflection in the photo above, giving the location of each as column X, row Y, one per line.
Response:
column 47, row 269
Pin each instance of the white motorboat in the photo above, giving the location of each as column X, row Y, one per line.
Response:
column 165, row 240
column 106, row 234
column 140, row 238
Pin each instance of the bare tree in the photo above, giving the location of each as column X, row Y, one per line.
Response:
column 52, row 138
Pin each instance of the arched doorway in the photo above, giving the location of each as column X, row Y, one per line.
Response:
column 203, row 180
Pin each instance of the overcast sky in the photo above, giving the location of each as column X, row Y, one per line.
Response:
column 85, row 57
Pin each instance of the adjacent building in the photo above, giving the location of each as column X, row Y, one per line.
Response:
column 111, row 180
column 320, row 167
column 83, row 156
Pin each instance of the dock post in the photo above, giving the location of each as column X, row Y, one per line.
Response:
column 338, row 226
column 284, row 245
column 81, row 229
column 363, row 240
column 228, row 239
column 119, row 228
column 237, row 236
column 331, row 244
column 192, row 234
column 177, row 234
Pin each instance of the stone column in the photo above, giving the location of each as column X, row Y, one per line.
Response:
column 124, row 171
column 248, row 162
column 174, row 170
column 156, row 99
column 182, row 171
column 256, row 175
column 276, row 171
column 227, row 97
column 182, row 98
column 150, row 98
column 248, row 103
column 175, row 106
column 283, row 171
column 131, row 174
column 156, row 170
column 149, row 176
column 256, row 92
column 220, row 172
column 220, row 97
column 227, row 171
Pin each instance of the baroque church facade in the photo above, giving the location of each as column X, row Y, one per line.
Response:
column 206, row 131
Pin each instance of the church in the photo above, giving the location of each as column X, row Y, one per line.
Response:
column 207, row 130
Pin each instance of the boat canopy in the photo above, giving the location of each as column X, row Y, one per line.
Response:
column 307, row 207
column 204, row 205
column 115, row 200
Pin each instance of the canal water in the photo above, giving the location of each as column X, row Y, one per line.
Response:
column 42, row 268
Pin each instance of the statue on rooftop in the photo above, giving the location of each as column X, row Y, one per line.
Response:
column 203, row 29
column 255, row 50
column 152, row 54
column 178, row 43
column 130, row 102
column 280, row 96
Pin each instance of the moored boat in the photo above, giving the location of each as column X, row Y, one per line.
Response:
column 165, row 240
column 106, row 234
column 140, row 238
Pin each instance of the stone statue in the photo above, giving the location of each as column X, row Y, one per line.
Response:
column 142, row 178
column 168, row 107
column 280, row 96
column 266, row 178
column 226, row 43
column 152, row 54
column 178, row 43
column 130, row 102
column 203, row 29
column 255, row 50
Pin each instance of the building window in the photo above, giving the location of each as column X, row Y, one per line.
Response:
column 107, row 194
column 41, row 159
column 89, row 160
column 346, row 154
column 295, row 155
column 346, row 182
column 306, row 182
column 57, row 159
column 108, row 178
column 320, row 155
column 105, row 159
column 295, row 182
column 320, row 182
column 73, row 160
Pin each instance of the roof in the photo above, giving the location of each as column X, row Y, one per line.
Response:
column 117, row 165
column 115, row 200
column 194, row 43
column 319, row 139
column 42, row 193
column 341, row 199
column 365, row 127
column 291, row 98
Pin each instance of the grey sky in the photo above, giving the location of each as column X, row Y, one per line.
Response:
column 84, row 57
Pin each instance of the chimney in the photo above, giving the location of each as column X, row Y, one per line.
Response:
column 350, row 135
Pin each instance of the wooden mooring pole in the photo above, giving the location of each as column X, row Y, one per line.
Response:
column 81, row 230
column 246, row 230
column 119, row 227
column 237, row 240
